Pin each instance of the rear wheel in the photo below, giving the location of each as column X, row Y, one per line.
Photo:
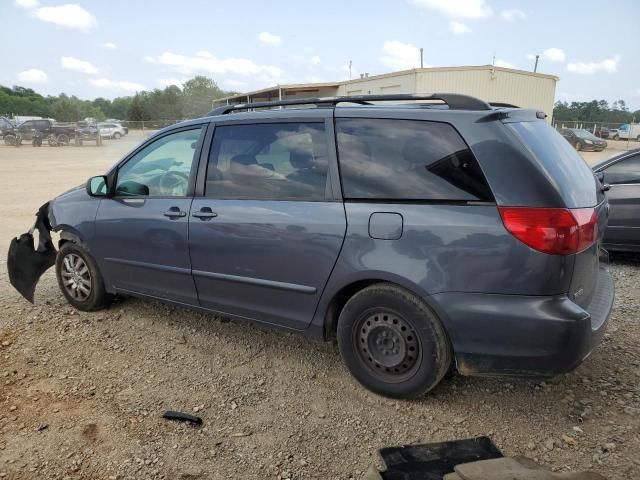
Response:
column 117, row 135
column 578, row 146
column 392, row 342
column 63, row 139
column 79, row 278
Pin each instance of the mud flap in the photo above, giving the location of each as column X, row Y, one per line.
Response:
column 25, row 263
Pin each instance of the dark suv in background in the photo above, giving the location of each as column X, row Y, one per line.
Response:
column 420, row 236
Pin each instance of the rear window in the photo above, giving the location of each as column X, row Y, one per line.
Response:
column 389, row 159
column 563, row 164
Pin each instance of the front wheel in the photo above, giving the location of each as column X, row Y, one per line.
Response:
column 392, row 342
column 79, row 279
column 10, row 140
column 117, row 136
column 616, row 137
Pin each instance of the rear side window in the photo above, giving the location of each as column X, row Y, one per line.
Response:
column 624, row 171
column 563, row 164
column 389, row 159
column 269, row 161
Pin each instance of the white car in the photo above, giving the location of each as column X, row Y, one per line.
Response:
column 111, row 130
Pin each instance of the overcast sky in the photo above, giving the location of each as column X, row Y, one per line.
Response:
column 113, row 48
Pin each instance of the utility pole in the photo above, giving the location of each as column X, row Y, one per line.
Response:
column 421, row 57
column 350, row 63
column 535, row 67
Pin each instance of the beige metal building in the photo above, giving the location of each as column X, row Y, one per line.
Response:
column 492, row 84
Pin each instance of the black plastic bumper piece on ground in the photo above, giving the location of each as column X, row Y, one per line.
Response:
column 183, row 417
column 432, row 461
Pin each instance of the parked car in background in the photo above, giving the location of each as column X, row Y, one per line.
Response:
column 622, row 173
column 111, row 130
column 420, row 238
column 56, row 134
column 5, row 125
column 582, row 139
column 601, row 132
column 119, row 122
column 87, row 131
column 629, row 131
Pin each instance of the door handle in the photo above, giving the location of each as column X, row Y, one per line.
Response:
column 204, row 213
column 175, row 212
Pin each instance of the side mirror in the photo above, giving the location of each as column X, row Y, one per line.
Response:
column 97, row 186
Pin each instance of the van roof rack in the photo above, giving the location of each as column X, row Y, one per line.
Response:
column 502, row 105
column 455, row 101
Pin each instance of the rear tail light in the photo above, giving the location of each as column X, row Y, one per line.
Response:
column 557, row 231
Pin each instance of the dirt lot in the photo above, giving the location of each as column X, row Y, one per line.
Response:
column 81, row 395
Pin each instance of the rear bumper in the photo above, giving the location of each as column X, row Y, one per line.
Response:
column 524, row 335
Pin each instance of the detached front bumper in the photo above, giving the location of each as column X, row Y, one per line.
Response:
column 525, row 335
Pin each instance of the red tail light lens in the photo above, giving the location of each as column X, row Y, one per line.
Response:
column 557, row 231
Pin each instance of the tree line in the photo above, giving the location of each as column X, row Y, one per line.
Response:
column 171, row 103
column 195, row 97
column 598, row 111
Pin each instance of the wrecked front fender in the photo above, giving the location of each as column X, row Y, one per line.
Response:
column 25, row 262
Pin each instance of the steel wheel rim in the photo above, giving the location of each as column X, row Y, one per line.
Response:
column 387, row 345
column 76, row 277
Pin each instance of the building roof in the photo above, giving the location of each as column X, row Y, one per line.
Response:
column 301, row 87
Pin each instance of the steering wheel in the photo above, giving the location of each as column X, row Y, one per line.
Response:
column 174, row 182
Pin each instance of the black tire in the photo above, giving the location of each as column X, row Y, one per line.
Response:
column 638, row 138
column 93, row 296
column 10, row 140
column 616, row 137
column 578, row 146
column 392, row 342
column 63, row 139
column 117, row 136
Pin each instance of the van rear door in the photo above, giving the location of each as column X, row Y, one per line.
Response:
column 581, row 192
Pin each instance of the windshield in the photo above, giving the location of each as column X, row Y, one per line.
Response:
column 584, row 134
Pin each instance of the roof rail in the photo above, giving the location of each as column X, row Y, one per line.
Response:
column 502, row 105
column 455, row 101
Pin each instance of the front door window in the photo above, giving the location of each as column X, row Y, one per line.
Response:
column 162, row 168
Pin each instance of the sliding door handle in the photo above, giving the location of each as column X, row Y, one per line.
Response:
column 204, row 214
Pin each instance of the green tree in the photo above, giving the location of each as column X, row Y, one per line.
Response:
column 199, row 93
column 171, row 103
column 65, row 109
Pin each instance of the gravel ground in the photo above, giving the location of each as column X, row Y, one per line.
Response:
column 82, row 394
